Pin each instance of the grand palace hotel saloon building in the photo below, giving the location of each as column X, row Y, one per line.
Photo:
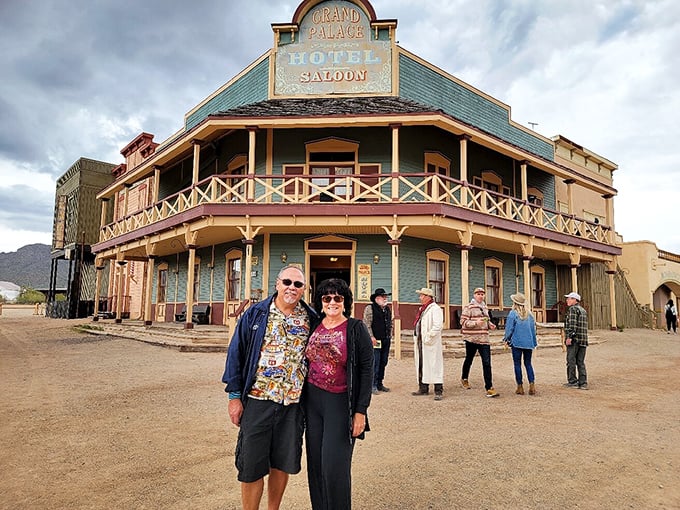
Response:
column 341, row 151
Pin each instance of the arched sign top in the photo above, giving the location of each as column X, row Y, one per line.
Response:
column 307, row 5
column 333, row 48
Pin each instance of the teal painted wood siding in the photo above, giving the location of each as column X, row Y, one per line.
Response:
column 252, row 87
column 423, row 85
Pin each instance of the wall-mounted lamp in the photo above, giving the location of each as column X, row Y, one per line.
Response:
column 333, row 259
column 284, row 257
column 376, row 258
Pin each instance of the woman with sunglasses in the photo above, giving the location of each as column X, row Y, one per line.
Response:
column 336, row 396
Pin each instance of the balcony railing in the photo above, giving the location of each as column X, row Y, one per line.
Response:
column 356, row 189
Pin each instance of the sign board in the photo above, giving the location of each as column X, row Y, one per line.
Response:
column 335, row 53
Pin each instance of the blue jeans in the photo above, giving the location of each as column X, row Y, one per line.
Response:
column 471, row 349
column 380, row 357
column 517, row 355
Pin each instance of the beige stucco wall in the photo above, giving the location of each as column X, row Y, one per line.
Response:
column 645, row 272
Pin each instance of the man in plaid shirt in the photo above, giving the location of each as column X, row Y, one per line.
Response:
column 576, row 339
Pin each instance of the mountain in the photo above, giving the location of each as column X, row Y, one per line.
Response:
column 29, row 266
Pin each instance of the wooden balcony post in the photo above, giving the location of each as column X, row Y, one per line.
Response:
column 609, row 216
column 156, row 184
column 248, row 280
column 97, row 289
column 395, row 161
column 463, row 140
column 611, row 272
column 465, row 274
column 189, row 305
column 395, row 296
column 570, row 195
column 148, row 320
column 119, row 291
column 526, row 262
column 252, row 131
column 102, row 220
column 525, row 193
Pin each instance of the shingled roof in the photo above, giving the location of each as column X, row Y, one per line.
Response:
column 328, row 106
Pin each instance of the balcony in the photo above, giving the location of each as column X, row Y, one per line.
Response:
column 347, row 190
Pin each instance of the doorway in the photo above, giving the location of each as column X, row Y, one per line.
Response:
column 322, row 267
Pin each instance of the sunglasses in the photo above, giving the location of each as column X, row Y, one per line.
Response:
column 297, row 284
column 337, row 298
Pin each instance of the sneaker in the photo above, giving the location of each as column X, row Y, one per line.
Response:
column 465, row 384
column 382, row 387
column 583, row 386
column 491, row 393
column 375, row 391
column 570, row 385
column 438, row 396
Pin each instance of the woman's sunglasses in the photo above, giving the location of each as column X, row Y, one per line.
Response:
column 336, row 297
column 297, row 284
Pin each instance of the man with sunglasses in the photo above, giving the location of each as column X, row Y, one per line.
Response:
column 264, row 374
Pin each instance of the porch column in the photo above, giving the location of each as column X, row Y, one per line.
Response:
column 102, row 220
column 611, row 272
column 247, row 281
column 156, row 183
column 609, row 216
column 119, row 299
column 197, row 161
column 148, row 320
column 97, row 289
column 464, row 168
column 250, row 197
column 395, row 296
column 574, row 280
column 526, row 262
column 188, row 323
column 525, row 193
column 570, row 194
column 395, row 161
column 465, row 274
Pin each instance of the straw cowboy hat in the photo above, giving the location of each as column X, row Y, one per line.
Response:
column 519, row 299
column 479, row 289
column 426, row 292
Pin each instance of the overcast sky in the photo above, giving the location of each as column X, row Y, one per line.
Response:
column 82, row 78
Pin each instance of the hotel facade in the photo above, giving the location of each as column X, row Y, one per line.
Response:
column 343, row 152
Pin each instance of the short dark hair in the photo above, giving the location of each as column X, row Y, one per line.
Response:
column 333, row 286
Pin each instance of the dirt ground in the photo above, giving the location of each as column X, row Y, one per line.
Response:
column 109, row 423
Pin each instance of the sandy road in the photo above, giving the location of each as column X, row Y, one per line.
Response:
column 109, row 423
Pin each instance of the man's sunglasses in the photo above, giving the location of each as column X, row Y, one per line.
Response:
column 336, row 297
column 297, row 284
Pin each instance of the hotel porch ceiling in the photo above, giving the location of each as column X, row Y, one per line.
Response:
column 205, row 226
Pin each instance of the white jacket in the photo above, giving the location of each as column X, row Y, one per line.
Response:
column 431, row 324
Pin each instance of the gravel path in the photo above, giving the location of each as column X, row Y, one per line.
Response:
column 109, row 423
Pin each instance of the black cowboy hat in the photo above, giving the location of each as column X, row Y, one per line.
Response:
column 379, row 292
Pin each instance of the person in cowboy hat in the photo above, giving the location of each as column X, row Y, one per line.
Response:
column 427, row 342
column 520, row 334
column 378, row 320
column 475, row 325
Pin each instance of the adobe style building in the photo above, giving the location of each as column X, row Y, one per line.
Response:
column 653, row 275
column 343, row 152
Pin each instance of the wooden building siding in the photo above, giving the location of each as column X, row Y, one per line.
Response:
column 593, row 285
column 252, row 87
column 423, row 85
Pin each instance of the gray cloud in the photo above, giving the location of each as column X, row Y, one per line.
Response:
column 83, row 78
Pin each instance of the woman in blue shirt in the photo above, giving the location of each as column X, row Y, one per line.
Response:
column 520, row 334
